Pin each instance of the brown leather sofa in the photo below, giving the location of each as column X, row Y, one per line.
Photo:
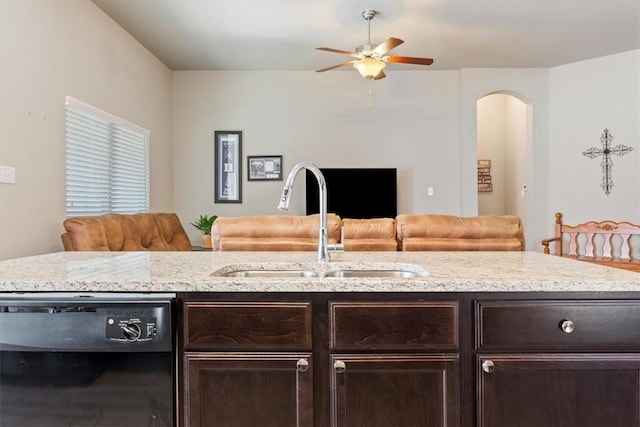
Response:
column 453, row 233
column 119, row 232
column 272, row 232
column 406, row 233
column 377, row 234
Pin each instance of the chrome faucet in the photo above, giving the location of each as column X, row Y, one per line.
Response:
column 323, row 246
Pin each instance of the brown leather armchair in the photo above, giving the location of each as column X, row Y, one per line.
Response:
column 120, row 232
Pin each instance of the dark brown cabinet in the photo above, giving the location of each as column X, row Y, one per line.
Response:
column 246, row 326
column 394, row 390
column 559, row 390
column 558, row 363
column 393, row 325
column 384, row 386
column 409, row 359
column 247, row 364
column 239, row 390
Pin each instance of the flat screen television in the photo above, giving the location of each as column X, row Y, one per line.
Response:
column 356, row 192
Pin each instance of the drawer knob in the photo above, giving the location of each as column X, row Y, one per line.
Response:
column 567, row 326
column 488, row 366
column 302, row 365
column 339, row 366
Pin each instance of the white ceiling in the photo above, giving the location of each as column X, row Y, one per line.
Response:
column 283, row 34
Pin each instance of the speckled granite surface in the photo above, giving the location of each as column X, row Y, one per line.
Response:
column 201, row 271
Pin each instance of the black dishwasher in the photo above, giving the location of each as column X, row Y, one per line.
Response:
column 74, row 360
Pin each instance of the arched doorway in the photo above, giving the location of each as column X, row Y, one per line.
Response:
column 504, row 139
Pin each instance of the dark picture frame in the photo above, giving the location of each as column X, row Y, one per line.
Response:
column 228, row 166
column 264, row 168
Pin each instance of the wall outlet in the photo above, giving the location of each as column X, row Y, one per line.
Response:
column 430, row 191
column 7, row 175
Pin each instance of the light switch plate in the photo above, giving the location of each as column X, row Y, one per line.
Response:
column 7, row 175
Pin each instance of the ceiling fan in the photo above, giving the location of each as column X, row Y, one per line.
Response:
column 371, row 60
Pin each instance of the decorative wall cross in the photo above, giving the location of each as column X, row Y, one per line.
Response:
column 606, row 163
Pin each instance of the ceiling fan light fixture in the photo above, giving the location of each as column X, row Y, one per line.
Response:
column 369, row 68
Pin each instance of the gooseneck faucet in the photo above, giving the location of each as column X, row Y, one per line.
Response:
column 323, row 247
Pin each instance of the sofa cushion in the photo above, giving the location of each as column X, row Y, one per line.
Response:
column 272, row 232
column 121, row 232
column 377, row 234
column 453, row 233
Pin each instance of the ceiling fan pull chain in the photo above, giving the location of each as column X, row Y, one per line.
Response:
column 369, row 93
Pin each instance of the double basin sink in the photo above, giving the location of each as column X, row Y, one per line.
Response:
column 403, row 272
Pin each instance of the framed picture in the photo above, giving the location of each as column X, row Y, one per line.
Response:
column 228, row 167
column 264, row 168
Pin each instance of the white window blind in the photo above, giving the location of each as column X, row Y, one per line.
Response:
column 107, row 162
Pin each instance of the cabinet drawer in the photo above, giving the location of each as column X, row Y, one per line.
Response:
column 393, row 325
column 558, row 325
column 247, row 326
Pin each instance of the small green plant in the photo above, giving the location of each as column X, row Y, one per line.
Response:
column 204, row 223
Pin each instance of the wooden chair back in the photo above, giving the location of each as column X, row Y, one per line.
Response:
column 616, row 244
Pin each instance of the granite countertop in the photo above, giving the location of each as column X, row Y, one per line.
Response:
column 200, row 272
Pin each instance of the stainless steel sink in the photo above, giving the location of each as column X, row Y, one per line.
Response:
column 271, row 273
column 327, row 270
column 395, row 274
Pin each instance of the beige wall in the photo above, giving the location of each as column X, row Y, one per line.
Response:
column 585, row 98
column 413, row 125
column 50, row 49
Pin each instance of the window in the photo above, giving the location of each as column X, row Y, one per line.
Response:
column 107, row 162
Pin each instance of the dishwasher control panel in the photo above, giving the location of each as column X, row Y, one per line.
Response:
column 130, row 329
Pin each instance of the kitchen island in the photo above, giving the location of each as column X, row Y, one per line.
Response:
column 471, row 338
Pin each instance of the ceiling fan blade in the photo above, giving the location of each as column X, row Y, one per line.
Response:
column 381, row 75
column 335, row 66
column 342, row 52
column 387, row 45
column 410, row 60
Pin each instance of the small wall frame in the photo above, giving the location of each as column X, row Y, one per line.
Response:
column 264, row 168
column 485, row 184
column 228, row 166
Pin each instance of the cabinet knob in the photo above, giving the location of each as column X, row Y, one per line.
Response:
column 302, row 365
column 339, row 366
column 567, row 326
column 488, row 366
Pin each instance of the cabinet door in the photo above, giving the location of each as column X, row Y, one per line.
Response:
column 559, row 390
column 262, row 389
column 394, row 390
